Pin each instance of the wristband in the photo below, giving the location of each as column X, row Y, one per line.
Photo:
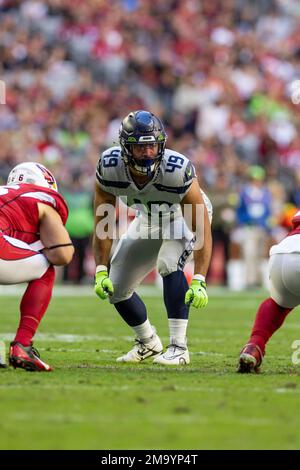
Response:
column 101, row 267
column 199, row 277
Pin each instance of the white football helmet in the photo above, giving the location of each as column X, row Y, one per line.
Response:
column 32, row 173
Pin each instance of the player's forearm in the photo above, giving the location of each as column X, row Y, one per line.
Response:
column 202, row 257
column 102, row 249
column 59, row 256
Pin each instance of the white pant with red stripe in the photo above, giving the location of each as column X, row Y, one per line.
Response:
column 20, row 262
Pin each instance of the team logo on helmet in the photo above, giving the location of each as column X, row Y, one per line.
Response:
column 48, row 177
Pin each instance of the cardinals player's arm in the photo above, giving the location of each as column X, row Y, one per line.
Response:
column 202, row 253
column 104, row 217
column 52, row 233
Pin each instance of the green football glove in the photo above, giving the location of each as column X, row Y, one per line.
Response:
column 103, row 285
column 197, row 295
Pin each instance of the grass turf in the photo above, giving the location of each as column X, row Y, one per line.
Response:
column 92, row 402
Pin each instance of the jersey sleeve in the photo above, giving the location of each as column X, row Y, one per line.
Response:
column 189, row 175
column 61, row 207
column 48, row 197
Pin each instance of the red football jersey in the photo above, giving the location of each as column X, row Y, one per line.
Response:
column 295, row 224
column 19, row 217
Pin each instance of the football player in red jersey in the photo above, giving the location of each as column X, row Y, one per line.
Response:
column 284, row 273
column 32, row 240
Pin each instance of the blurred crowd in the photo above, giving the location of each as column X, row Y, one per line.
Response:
column 220, row 73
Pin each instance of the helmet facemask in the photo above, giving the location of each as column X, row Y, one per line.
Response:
column 140, row 128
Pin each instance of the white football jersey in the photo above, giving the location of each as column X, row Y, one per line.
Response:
column 169, row 185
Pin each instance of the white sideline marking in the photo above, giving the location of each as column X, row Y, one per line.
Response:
column 113, row 351
column 74, row 291
column 144, row 290
column 205, row 353
column 186, row 419
column 287, row 390
column 105, row 351
column 70, row 386
column 291, row 326
column 74, row 338
column 68, row 338
column 65, row 338
column 170, row 419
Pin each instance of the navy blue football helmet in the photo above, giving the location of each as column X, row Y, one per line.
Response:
column 142, row 127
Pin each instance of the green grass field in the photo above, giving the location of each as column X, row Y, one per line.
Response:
column 92, row 402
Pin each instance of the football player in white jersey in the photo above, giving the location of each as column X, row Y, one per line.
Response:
column 162, row 185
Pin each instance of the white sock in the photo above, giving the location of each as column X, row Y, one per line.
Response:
column 144, row 331
column 178, row 327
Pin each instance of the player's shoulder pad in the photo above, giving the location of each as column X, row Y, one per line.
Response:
column 108, row 162
column 110, row 170
column 47, row 196
column 177, row 170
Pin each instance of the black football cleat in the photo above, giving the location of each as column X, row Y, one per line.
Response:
column 26, row 357
column 250, row 359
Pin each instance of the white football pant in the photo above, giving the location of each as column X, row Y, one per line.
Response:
column 284, row 270
column 135, row 257
column 20, row 262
